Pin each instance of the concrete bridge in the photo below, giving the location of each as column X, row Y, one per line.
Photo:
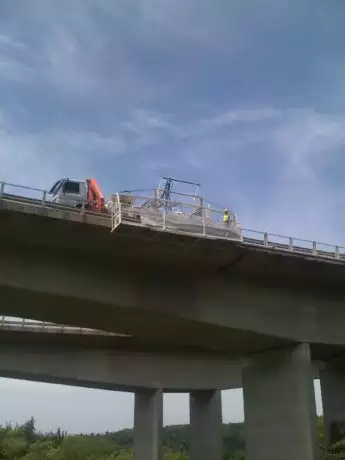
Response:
column 95, row 359
column 47, row 352
column 271, row 308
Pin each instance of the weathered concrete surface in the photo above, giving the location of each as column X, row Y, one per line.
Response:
column 279, row 406
column 212, row 311
column 122, row 368
column 332, row 379
column 148, row 424
column 116, row 363
column 218, row 295
column 206, row 425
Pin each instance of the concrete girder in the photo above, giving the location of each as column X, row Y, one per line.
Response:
column 119, row 369
column 213, row 312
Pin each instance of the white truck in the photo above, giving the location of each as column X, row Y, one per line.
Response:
column 78, row 193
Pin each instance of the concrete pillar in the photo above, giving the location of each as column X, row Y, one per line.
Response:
column 332, row 379
column 206, row 425
column 279, row 405
column 148, row 424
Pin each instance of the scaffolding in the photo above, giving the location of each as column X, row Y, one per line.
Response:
column 179, row 212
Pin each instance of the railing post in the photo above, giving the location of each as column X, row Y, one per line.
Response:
column 337, row 255
column 2, row 188
column 44, row 199
column 314, row 247
column 164, row 219
column 119, row 208
column 203, row 223
column 265, row 239
column 290, row 244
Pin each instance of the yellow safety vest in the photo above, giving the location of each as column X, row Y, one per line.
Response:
column 226, row 218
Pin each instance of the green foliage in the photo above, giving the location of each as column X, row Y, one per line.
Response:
column 14, row 446
column 175, row 456
column 24, row 442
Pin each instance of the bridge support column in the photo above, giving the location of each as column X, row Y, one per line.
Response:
column 206, row 425
column 279, row 405
column 148, row 424
column 332, row 379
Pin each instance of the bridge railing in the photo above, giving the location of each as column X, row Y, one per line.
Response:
column 148, row 209
column 291, row 244
column 13, row 190
column 28, row 325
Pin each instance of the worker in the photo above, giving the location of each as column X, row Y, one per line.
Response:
column 226, row 217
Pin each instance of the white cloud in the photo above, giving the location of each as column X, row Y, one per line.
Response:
column 307, row 140
column 25, row 155
column 12, row 65
column 307, row 201
column 238, row 116
column 7, row 41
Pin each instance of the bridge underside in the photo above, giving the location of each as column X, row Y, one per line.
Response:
column 112, row 363
column 145, row 327
column 166, row 290
column 115, row 363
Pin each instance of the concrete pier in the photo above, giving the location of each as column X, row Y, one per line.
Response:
column 206, row 425
column 279, row 405
column 332, row 379
column 148, row 425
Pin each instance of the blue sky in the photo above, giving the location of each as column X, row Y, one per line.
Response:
column 246, row 97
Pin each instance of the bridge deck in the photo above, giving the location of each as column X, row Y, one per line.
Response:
column 251, row 238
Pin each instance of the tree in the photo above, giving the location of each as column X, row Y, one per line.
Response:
column 14, row 446
column 29, row 430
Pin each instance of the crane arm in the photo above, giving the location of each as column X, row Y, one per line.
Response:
column 95, row 196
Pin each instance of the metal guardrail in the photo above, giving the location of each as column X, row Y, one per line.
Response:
column 210, row 224
column 27, row 325
column 294, row 245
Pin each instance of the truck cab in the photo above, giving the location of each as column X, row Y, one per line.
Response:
column 68, row 192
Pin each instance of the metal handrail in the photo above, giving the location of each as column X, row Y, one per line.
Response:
column 24, row 187
column 318, row 243
column 23, row 324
